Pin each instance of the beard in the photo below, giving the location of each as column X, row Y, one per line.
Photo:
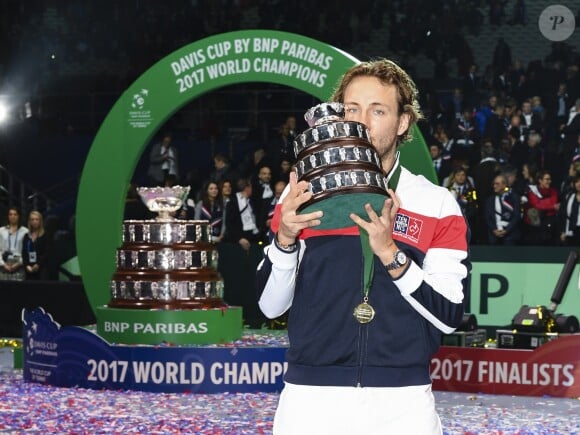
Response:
column 386, row 146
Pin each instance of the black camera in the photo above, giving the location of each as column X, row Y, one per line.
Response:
column 6, row 255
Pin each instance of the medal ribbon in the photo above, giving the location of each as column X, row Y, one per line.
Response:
column 368, row 255
column 395, row 174
column 369, row 263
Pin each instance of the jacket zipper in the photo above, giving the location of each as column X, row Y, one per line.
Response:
column 362, row 334
column 362, row 340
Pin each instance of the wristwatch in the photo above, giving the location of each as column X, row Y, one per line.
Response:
column 399, row 261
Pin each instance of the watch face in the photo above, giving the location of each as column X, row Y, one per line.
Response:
column 401, row 258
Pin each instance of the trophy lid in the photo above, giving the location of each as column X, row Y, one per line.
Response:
column 324, row 112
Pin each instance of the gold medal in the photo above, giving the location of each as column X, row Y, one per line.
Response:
column 363, row 312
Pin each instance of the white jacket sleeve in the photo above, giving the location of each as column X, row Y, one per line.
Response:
column 277, row 272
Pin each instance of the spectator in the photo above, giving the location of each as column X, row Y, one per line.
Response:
column 516, row 127
column 225, row 191
column 484, row 113
column 534, row 152
column 210, row 207
column 538, row 108
column 514, row 182
column 262, row 195
column 464, row 192
column 495, row 128
column 241, row 219
column 567, row 184
column 34, row 248
column 570, row 132
column 441, row 163
column 11, row 242
column 504, row 153
column 441, row 136
column 222, row 169
column 486, row 170
column 530, row 121
column 455, row 106
column 521, row 88
column 466, row 137
column 529, row 173
column 471, row 84
column 502, row 214
column 570, row 215
column 483, row 174
column 288, row 133
column 557, row 107
column 279, row 187
column 163, row 163
column 542, row 212
column 250, row 166
column 284, row 170
column 502, row 85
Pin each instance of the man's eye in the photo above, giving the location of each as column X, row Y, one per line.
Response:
column 379, row 112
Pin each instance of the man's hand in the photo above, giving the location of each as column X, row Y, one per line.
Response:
column 245, row 244
column 380, row 228
column 291, row 223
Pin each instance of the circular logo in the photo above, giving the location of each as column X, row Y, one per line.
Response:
column 557, row 23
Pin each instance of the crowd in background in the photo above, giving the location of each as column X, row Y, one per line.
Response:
column 511, row 156
column 503, row 137
column 506, row 145
column 237, row 198
column 42, row 38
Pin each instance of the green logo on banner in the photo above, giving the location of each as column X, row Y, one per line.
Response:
column 209, row 326
column 211, row 63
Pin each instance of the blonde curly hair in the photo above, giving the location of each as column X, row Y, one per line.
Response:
column 388, row 72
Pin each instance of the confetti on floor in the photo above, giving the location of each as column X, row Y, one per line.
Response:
column 35, row 408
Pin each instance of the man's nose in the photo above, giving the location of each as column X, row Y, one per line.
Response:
column 365, row 118
column 358, row 117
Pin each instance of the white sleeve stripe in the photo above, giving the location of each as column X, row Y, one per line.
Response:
column 443, row 275
column 428, row 316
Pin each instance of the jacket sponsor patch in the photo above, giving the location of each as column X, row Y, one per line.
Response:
column 407, row 227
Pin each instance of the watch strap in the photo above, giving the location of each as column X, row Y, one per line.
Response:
column 395, row 264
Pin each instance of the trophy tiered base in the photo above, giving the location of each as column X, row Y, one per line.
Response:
column 166, row 287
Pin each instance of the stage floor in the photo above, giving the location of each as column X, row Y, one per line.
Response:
column 36, row 408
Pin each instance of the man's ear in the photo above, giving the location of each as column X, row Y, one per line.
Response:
column 403, row 124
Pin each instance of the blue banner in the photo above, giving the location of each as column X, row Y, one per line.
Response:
column 72, row 356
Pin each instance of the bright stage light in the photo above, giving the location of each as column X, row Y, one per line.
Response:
column 3, row 112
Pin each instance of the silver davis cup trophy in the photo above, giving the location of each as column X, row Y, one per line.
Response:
column 341, row 166
column 166, row 263
column 163, row 200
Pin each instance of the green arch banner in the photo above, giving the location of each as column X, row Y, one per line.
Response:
column 217, row 61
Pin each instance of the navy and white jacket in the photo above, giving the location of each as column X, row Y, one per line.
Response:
column 322, row 283
column 502, row 211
